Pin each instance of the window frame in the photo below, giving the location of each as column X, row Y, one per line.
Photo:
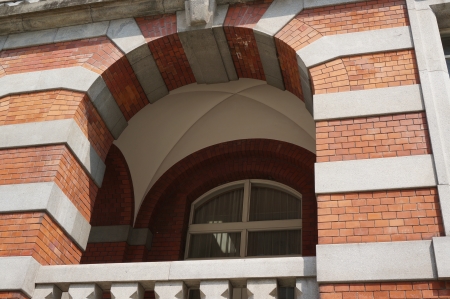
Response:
column 245, row 226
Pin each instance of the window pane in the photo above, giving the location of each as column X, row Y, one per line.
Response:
column 215, row 245
column 272, row 204
column 285, row 242
column 226, row 207
column 285, row 293
column 446, row 44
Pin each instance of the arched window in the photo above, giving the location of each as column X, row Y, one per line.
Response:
column 245, row 218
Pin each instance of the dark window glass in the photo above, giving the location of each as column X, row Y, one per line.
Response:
column 215, row 245
column 285, row 293
column 282, row 242
column 272, row 204
column 226, row 207
column 194, row 294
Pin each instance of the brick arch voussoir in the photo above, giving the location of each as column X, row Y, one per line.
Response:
column 269, row 150
column 114, row 204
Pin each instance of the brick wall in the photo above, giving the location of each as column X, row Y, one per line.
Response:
column 98, row 54
column 312, row 24
column 382, row 216
column 372, row 137
column 366, row 72
column 12, row 295
column 102, row 253
column 385, row 290
column 114, row 204
column 50, row 163
column 161, row 35
column 55, row 105
column 35, row 234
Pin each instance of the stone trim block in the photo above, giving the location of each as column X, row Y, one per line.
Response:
column 307, row 288
column 213, row 289
column 278, row 15
column 44, row 133
column 71, row 33
column 262, row 288
column 47, row 291
column 125, row 34
column 131, row 290
column 170, row 290
column 121, row 233
column 441, row 246
column 362, row 103
column 321, row 3
column 147, row 73
column 179, row 270
column 375, row 174
column 252, row 268
column 384, row 261
column 365, row 42
column 85, row 291
column 444, row 200
column 50, row 198
column 71, row 78
column 18, row 273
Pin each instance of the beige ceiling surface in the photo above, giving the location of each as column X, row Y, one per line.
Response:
column 197, row 116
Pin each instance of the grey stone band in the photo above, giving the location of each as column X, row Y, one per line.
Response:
column 71, row 78
column 121, row 233
column 372, row 41
column 441, row 247
column 362, row 103
column 436, row 93
column 233, row 270
column 385, row 261
column 50, row 198
column 56, row 35
column 375, row 174
column 18, row 274
column 44, row 133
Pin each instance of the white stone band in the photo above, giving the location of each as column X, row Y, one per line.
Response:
column 45, row 133
column 385, row 261
column 356, row 43
column 180, row 270
column 375, row 174
column 362, row 103
column 50, row 198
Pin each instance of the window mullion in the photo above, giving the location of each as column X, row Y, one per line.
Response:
column 246, row 201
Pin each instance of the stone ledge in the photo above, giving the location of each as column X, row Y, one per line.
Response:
column 375, row 174
column 363, row 103
column 385, row 261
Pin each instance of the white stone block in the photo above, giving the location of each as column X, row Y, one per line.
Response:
column 262, row 288
column 47, row 291
column 215, row 289
column 307, row 288
column 170, row 290
column 131, row 290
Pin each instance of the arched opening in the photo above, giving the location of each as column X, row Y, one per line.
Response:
column 200, row 137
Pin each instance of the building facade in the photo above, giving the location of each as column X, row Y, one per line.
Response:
column 224, row 149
